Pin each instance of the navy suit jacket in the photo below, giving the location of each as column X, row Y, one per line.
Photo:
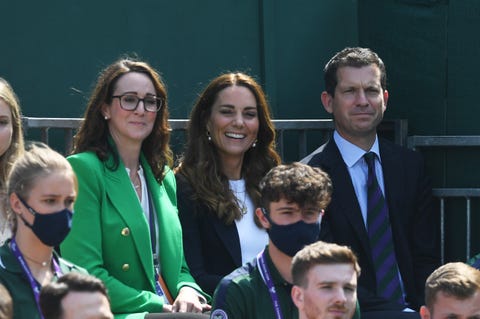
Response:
column 212, row 248
column 413, row 218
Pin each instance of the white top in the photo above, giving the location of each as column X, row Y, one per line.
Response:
column 144, row 202
column 252, row 238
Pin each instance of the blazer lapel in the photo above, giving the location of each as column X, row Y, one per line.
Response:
column 230, row 238
column 124, row 199
column 344, row 200
column 392, row 174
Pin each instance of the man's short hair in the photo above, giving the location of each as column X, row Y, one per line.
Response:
column 354, row 57
column 52, row 294
column 320, row 253
column 298, row 183
column 457, row 280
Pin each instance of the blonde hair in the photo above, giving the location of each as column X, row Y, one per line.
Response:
column 38, row 161
column 320, row 253
column 454, row 279
column 16, row 146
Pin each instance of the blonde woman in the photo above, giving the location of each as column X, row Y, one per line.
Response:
column 41, row 190
column 11, row 142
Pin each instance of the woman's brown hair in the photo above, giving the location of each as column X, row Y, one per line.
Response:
column 200, row 163
column 93, row 134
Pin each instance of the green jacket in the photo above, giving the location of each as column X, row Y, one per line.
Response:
column 110, row 235
column 16, row 282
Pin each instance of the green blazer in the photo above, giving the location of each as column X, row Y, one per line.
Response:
column 110, row 235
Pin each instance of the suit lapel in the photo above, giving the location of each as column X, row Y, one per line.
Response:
column 344, row 200
column 392, row 174
column 123, row 198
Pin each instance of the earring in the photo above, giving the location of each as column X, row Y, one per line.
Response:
column 254, row 144
column 106, row 117
column 209, row 138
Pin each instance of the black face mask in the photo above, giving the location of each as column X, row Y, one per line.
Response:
column 291, row 238
column 51, row 228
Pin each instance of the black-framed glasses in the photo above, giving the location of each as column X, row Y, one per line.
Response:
column 129, row 102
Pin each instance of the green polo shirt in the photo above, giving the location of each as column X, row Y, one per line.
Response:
column 244, row 295
column 16, row 282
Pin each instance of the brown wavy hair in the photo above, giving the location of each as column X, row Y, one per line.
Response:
column 93, row 134
column 16, row 147
column 200, row 163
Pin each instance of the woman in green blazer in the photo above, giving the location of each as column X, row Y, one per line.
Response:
column 125, row 228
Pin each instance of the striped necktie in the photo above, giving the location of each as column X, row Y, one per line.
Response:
column 381, row 240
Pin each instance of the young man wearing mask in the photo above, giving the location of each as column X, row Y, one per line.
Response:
column 293, row 200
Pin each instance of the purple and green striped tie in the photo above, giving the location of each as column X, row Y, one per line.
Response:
column 381, row 240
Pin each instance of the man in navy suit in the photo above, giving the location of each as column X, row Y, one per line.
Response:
column 356, row 96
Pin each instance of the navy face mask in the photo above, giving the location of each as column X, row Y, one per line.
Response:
column 52, row 228
column 291, row 238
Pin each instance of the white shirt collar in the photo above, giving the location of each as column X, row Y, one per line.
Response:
column 351, row 153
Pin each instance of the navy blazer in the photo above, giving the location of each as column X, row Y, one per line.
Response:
column 212, row 248
column 413, row 218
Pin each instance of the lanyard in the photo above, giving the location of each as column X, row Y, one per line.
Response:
column 267, row 279
column 33, row 282
column 153, row 239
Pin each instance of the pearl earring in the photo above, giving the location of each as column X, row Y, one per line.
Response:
column 209, row 138
column 106, row 117
column 254, row 144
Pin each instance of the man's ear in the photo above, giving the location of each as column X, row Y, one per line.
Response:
column 261, row 217
column 385, row 100
column 297, row 296
column 327, row 101
column 424, row 312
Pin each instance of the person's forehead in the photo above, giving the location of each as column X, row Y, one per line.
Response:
column 78, row 304
column 446, row 305
column 283, row 203
column 337, row 272
column 369, row 73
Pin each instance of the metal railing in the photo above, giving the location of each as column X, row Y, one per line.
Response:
column 444, row 194
column 396, row 128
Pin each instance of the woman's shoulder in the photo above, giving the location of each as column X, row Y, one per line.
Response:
column 86, row 160
column 182, row 180
column 88, row 156
column 8, row 261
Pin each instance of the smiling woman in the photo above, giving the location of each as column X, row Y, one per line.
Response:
column 230, row 146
